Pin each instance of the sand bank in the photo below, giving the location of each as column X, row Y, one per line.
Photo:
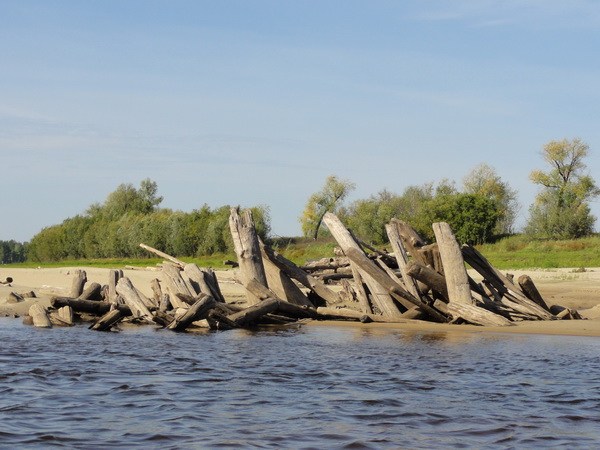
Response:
column 567, row 287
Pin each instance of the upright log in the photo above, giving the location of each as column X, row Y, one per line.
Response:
column 380, row 296
column 457, row 280
column 361, row 293
column 369, row 268
column 77, row 284
column 247, row 249
column 175, row 285
column 113, row 278
column 132, row 299
column 401, row 256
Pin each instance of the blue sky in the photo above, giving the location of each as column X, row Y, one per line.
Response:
column 257, row 102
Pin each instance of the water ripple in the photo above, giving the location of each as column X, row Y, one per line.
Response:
column 352, row 388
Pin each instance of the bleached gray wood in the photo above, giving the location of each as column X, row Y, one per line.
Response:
column 247, row 249
column 132, row 299
column 113, row 278
column 91, row 292
column 175, row 285
column 163, row 255
column 39, row 316
column 77, row 284
column 401, row 256
column 380, row 296
column 283, row 287
column 457, row 280
column 198, row 311
column 477, row 315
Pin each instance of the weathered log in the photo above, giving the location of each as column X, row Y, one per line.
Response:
column 77, row 284
column 325, row 264
column 426, row 275
column 380, row 296
column 108, row 320
column 293, row 271
column 156, row 290
column 91, row 292
column 175, row 285
column 97, row 308
column 113, row 278
column 40, row 316
column 412, row 240
column 366, row 265
column 132, row 299
column 203, row 281
column 457, row 280
column 199, row 310
column 282, row 285
column 284, row 307
column 66, row 315
column 531, row 291
column 247, row 249
column 165, row 303
column 361, row 293
column 14, row 297
column 327, row 313
column 254, row 313
column 395, row 238
column 476, row 315
column 163, row 255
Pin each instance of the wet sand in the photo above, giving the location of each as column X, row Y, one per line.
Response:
column 565, row 287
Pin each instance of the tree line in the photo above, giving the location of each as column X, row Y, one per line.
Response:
column 484, row 209
column 130, row 216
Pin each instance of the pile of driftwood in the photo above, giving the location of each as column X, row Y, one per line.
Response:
column 416, row 281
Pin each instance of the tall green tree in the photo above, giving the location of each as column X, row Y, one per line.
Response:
column 483, row 180
column 328, row 199
column 561, row 209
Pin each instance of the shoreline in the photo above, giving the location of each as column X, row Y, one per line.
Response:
column 566, row 287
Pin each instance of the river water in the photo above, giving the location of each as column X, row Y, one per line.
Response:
column 300, row 387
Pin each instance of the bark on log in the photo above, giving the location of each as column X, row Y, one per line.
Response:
column 97, row 308
column 163, row 255
column 132, row 299
column 457, row 280
column 40, row 316
column 293, row 271
column 247, row 249
column 367, row 266
column 91, row 292
column 199, row 310
column 108, row 320
column 531, row 291
column 380, row 295
column 77, row 284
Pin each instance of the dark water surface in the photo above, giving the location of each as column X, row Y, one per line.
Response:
column 309, row 387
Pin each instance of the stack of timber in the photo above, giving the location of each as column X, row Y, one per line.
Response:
column 415, row 282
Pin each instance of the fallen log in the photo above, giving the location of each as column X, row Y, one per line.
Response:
column 426, row 275
column 163, row 255
column 91, row 292
column 531, row 291
column 252, row 314
column 199, row 310
column 476, row 315
column 282, row 285
column 286, row 308
column 39, row 316
column 98, row 308
column 327, row 313
column 108, row 320
column 132, row 299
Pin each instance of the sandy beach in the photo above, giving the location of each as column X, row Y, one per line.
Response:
column 571, row 288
